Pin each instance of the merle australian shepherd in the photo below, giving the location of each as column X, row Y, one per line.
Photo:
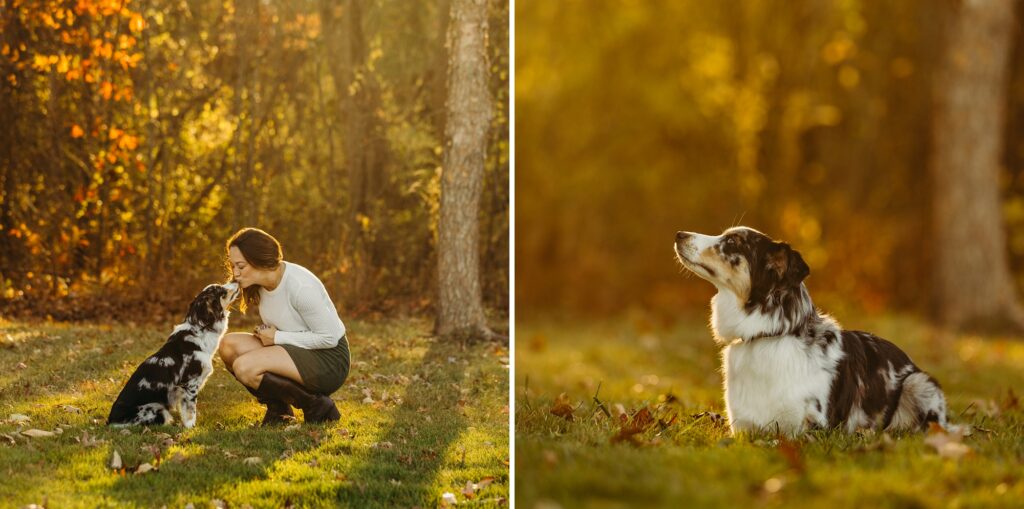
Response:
column 787, row 366
column 171, row 378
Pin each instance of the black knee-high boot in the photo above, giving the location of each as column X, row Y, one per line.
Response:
column 315, row 407
column 277, row 411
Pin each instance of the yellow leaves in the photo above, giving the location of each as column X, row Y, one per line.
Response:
column 43, row 63
column 76, row 131
column 63, row 63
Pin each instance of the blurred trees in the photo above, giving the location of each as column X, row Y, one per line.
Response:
column 137, row 135
column 809, row 120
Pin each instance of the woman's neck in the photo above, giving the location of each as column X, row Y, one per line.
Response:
column 274, row 278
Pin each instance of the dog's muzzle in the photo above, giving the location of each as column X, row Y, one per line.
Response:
column 232, row 289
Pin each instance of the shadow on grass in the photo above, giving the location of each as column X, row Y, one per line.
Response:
column 404, row 466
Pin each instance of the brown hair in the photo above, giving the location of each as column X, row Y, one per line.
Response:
column 261, row 250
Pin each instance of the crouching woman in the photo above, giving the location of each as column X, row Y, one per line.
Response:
column 299, row 355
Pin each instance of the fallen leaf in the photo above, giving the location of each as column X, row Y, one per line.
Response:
column 562, row 408
column 115, row 462
column 381, row 445
column 948, row 445
column 16, row 418
column 143, row 468
column 253, row 460
column 633, row 426
column 448, row 499
column 37, row 433
column 177, row 458
column 774, row 485
column 87, row 441
column 716, row 419
column 790, row 450
column 71, row 409
column 470, row 490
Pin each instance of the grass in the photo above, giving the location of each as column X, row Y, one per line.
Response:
column 437, row 421
column 595, row 460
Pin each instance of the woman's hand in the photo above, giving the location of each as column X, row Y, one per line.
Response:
column 265, row 333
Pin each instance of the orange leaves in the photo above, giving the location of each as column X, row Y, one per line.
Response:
column 106, row 89
column 76, row 131
column 128, row 142
column 137, row 23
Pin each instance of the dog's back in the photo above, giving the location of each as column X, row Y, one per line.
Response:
column 145, row 398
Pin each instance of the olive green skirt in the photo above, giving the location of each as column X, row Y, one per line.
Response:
column 323, row 370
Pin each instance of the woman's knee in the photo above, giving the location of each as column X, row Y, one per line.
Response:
column 231, row 347
column 248, row 370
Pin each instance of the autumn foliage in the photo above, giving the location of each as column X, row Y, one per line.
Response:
column 135, row 137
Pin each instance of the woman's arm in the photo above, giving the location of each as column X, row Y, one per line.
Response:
column 320, row 315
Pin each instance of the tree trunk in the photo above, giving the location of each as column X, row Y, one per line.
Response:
column 460, row 308
column 974, row 287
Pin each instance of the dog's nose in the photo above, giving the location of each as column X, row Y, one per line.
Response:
column 681, row 236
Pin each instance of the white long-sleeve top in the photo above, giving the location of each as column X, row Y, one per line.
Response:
column 301, row 310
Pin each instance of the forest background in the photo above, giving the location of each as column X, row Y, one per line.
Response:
column 138, row 135
column 818, row 123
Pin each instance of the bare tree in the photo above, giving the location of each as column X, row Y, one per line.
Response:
column 973, row 286
column 460, row 309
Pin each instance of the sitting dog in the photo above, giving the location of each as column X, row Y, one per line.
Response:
column 172, row 377
column 787, row 366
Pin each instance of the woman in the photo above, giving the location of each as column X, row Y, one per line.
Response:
column 299, row 356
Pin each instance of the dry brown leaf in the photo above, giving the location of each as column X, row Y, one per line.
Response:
column 562, row 408
column 632, row 426
column 37, row 433
column 948, row 445
column 470, row 490
column 791, row 451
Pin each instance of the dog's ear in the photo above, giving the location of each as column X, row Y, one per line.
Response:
column 201, row 311
column 787, row 264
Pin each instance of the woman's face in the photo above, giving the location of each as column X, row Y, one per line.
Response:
column 240, row 268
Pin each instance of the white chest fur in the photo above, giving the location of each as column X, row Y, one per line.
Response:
column 777, row 382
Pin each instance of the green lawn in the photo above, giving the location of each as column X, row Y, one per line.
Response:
column 420, row 417
column 681, row 456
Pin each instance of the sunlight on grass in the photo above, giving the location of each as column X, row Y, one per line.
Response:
column 435, row 423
